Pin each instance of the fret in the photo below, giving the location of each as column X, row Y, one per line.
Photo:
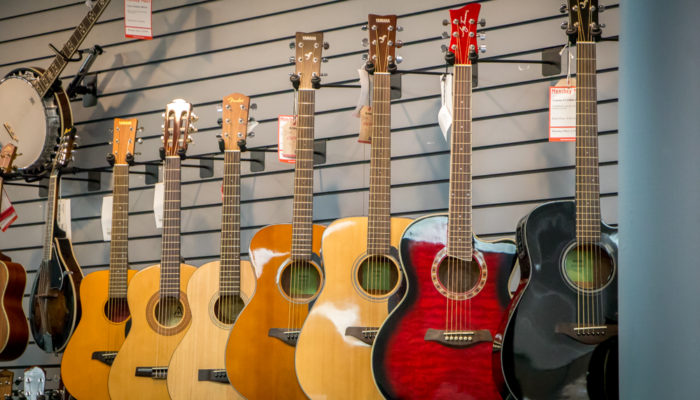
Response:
column 170, row 243
column 302, row 207
column 229, row 271
column 118, row 254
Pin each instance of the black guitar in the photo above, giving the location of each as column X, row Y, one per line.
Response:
column 559, row 337
column 54, row 308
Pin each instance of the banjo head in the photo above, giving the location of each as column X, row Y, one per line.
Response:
column 28, row 121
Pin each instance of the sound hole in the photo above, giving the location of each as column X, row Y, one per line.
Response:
column 227, row 308
column 459, row 276
column 378, row 275
column 117, row 309
column 169, row 311
column 300, row 280
column 588, row 267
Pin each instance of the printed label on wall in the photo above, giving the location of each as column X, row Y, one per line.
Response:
column 287, row 141
column 562, row 113
column 137, row 19
column 63, row 216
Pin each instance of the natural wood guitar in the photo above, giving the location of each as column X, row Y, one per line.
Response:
column 260, row 350
column 103, row 325
column 437, row 343
column 14, row 331
column 160, row 312
column 363, row 278
column 218, row 290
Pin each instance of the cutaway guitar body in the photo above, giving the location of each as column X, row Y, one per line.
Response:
column 408, row 362
column 199, row 359
column 140, row 368
column 333, row 360
column 261, row 366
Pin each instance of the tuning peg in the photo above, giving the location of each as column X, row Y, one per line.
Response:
column 220, row 121
column 365, row 42
column 564, row 25
column 443, row 48
column 482, row 36
column 162, row 138
column 292, row 59
column 364, row 57
column 399, row 28
column 219, row 108
column 193, row 128
column 251, row 134
column 139, row 140
column 190, row 140
column 110, row 131
column 399, row 59
column 482, row 22
column 601, row 26
column 563, row 8
column 162, row 126
column 139, row 129
column 326, row 46
column 292, row 45
column 445, row 22
column 445, row 35
column 399, row 44
column 324, row 59
column 601, row 8
column 194, row 117
column 482, row 48
column 324, row 73
column 110, row 143
column 253, row 106
column 363, row 27
column 162, row 115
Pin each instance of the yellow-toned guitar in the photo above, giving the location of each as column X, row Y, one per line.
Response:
column 160, row 312
column 363, row 278
column 102, row 328
column 218, row 290
column 260, row 350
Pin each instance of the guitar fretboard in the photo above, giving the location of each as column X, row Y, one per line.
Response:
column 43, row 84
column 118, row 252
column 170, row 255
column 459, row 232
column 51, row 201
column 587, row 178
column 379, row 218
column 302, row 214
column 229, row 273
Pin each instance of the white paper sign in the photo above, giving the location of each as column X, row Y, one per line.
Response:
column 445, row 113
column 137, row 19
column 562, row 113
column 107, row 218
column 63, row 216
column 158, row 198
column 286, row 139
column 364, row 91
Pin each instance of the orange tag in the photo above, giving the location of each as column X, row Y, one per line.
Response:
column 287, row 139
column 365, row 125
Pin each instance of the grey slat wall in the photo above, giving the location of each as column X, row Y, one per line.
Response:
column 203, row 50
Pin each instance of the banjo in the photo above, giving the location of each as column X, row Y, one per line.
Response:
column 34, row 109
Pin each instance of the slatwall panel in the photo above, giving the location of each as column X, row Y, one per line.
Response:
column 203, row 50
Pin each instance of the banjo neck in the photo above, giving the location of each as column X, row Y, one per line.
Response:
column 47, row 79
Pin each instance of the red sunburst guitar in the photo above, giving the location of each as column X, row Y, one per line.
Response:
column 218, row 290
column 437, row 343
column 260, row 350
column 360, row 259
column 160, row 312
column 103, row 325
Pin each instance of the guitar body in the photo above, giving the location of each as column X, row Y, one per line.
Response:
column 405, row 365
column 61, row 302
column 260, row 366
column 144, row 346
column 95, row 332
column 14, row 332
column 329, row 363
column 536, row 361
column 204, row 343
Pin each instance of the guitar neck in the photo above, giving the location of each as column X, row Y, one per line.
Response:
column 170, row 255
column 230, row 270
column 46, row 80
column 302, row 214
column 587, row 177
column 51, row 205
column 459, row 232
column 118, row 253
column 379, row 225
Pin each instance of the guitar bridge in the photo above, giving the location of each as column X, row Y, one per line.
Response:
column 365, row 334
column 213, row 375
column 288, row 336
column 586, row 334
column 105, row 357
column 158, row 373
column 458, row 338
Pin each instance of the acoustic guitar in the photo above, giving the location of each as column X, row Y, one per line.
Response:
column 560, row 337
column 34, row 107
column 260, row 350
column 7, row 379
column 437, row 342
column 103, row 325
column 218, row 290
column 54, row 306
column 160, row 313
column 14, row 331
column 363, row 278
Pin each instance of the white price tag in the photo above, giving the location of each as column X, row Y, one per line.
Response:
column 562, row 113
column 137, row 19
column 445, row 113
column 364, row 91
column 107, row 218
column 158, row 198
column 63, row 216
column 286, row 145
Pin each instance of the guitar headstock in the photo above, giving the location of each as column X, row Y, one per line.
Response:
column 7, row 155
column 179, row 120
column 463, row 35
column 65, row 148
column 308, row 59
column 124, row 139
column 234, row 112
column 583, row 20
column 382, row 42
column 34, row 381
